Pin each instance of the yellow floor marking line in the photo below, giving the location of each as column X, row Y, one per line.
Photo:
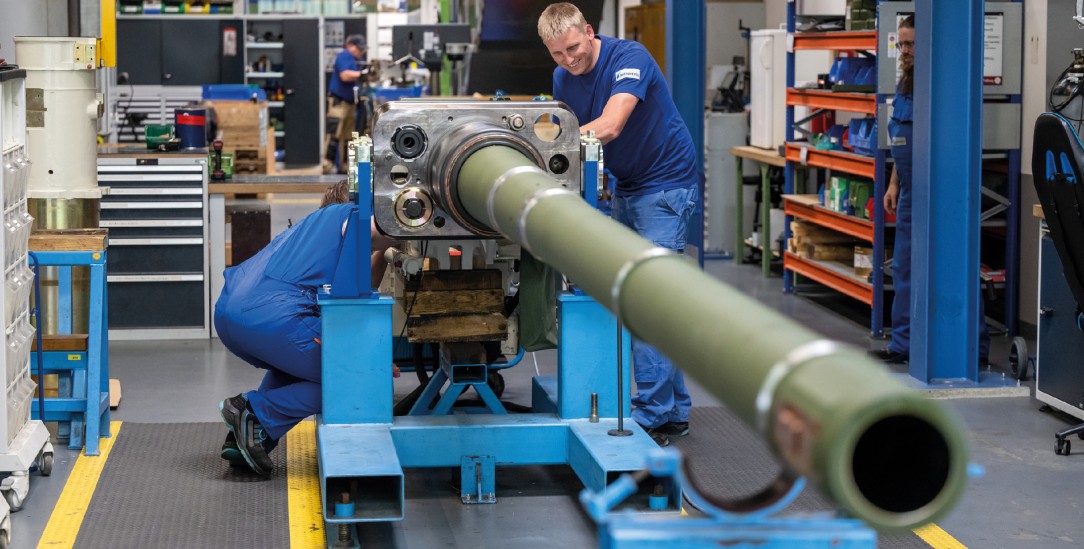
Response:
column 938, row 538
column 303, row 488
column 71, row 507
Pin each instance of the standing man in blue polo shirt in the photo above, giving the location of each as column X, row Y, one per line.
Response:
column 343, row 106
column 618, row 88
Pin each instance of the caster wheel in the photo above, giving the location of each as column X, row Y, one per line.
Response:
column 14, row 501
column 1018, row 358
column 1062, row 447
column 496, row 382
column 46, row 464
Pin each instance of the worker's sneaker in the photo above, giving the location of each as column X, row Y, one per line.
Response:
column 674, row 428
column 231, row 453
column 658, row 436
column 249, row 434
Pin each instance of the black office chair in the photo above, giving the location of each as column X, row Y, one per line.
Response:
column 1056, row 160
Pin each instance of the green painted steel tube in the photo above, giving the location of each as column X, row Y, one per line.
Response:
column 883, row 451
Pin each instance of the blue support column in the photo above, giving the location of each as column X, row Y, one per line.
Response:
column 685, row 60
column 946, row 189
column 1012, row 244
column 877, row 316
column 789, row 170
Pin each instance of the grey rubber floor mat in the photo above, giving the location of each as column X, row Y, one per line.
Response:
column 166, row 486
column 730, row 460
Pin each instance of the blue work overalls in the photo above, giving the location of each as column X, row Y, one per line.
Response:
column 267, row 315
column 900, row 133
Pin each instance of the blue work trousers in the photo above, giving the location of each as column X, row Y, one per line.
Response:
column 901, row 255
column 661, row 217
column 287, row 346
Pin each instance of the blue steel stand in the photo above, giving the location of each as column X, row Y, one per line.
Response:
column 83, row 376
column 362, row 449
column 760, row 528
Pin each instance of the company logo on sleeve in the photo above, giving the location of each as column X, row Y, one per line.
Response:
column 627, row 73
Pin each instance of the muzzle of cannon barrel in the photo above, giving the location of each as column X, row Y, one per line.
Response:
column 884, row 452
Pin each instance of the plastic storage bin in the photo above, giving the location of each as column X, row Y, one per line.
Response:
column 393, row 94
column 854, row 74
column 17, row 286
column 16, row 170
column 863, row 135
column 19, row 406
column 233, row 92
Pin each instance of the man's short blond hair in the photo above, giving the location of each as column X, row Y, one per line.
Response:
column 558, row 18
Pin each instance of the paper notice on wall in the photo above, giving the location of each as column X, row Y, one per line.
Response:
column 229, row 42
column 993, row 50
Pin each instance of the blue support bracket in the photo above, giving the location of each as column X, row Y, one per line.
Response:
column 459, row 378
column 361, row 462
column 585, row 363
column 599, row 459
column 357, row 387
column 761, row 528
column 478, row 480
column 593, row 177
column 544, row 395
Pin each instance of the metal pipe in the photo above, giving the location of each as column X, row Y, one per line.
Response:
column 884, row 452
column 621, row 431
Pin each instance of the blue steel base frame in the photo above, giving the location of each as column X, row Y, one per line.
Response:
column 363, row 449
column 759, row 528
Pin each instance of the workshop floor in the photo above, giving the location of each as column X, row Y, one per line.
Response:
column 1028, row 497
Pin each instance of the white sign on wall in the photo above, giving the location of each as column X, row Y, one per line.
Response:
column 993, row 50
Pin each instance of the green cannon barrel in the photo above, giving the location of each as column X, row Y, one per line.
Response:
column 884, row 452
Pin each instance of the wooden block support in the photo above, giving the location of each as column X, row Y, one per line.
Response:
column 61, row 342
column 454, row 306
column 454, row 302
column 485, row 327
column 68, row 240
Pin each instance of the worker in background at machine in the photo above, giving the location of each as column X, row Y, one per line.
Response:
column 620, row 90
column 268, row 316
column 346, row 111
column 897, row 200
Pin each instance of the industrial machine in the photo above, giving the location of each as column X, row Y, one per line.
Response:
column 504, row 181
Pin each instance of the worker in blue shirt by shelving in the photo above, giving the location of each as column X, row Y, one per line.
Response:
column 617, row 87
column 347, row 109
column 897, row 200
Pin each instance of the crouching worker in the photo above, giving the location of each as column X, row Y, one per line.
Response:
column 267, row 315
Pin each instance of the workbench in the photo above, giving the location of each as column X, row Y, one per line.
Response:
column 302, row 186
column 766, row 158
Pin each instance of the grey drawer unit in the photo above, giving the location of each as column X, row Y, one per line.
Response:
column 156, row 213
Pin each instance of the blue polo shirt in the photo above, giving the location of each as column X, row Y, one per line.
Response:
column 338, row 88
column 655, row 150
